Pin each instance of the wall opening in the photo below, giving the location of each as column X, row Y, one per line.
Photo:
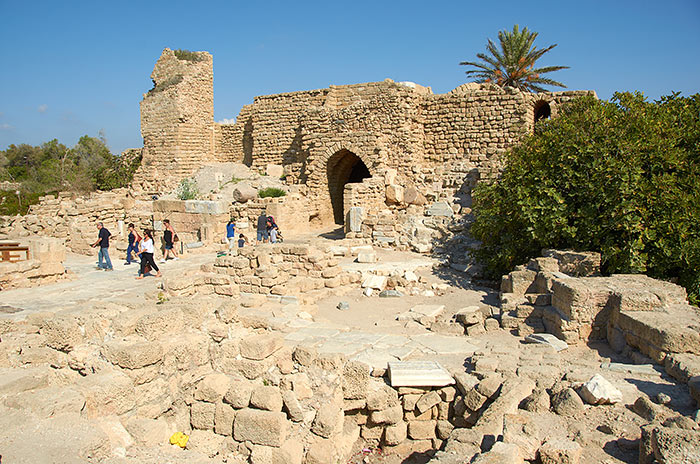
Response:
column 542, row 110
column 344, row 167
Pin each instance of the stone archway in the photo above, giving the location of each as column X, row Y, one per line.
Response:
column 342, row 168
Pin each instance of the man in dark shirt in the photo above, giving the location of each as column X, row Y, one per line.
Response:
column 103, row 242
column 262, row 228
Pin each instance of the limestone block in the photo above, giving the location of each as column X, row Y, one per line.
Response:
column 413, row 197
column 418, row 373
column 443, row 429
column 355, row 380
column 518, row 282
column 239, row 393
column 212, row 388
column 513, row 391
column 465, row 381
column 500, row 453
column 353, row 221
column 547, row 339
column 268, row 398
column 224, row 416
column 320, row 452
column 381, row 397
column 665, row 444
column 202, row 415
column 205, row 442
column 396, row 433
column 154, row 325
column 366, row 257
column 390, row 415
column 62, row 333
column 375, row 282
column 132, row 353
column 206, row 207
column 394, row 194
column 470, row 315
column 274, row 170
column 427, row 401
column 261, row 427
column 567, row 403
column 422, row 430
column 646, row 408
column 48, row 402
column 490, row 385
column 148, row 432
column 560, row 451
column 304, row 355
column 258, row 347
column 440, row 208
column 328, row 420
column 474, row 400
column 107, row 393
column 292, row 406
column 598, row 390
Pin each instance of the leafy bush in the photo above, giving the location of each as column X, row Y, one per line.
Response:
column 187, row 190
column 166, row 84
column 186, row 55
column 271, row 192
column 619, row 177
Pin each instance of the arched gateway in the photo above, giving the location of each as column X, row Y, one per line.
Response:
column 344, row 167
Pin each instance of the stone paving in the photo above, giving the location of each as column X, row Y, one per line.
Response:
column 376, row 349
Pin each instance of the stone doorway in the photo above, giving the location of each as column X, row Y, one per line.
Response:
column 344, row 167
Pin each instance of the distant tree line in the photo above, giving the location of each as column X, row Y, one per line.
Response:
column 52, row 167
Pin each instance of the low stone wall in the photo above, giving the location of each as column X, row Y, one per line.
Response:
column 631, row 312
column 74, row 218
column 45, row 264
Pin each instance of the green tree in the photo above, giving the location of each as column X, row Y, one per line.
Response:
column 620, row 177
column 513, row 62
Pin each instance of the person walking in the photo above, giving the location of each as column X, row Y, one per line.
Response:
column 103, row 242
column 272, row 229
column 146, row 253
column 134, row 240
column 169, row 237
column 231, row 235
column 262, row 228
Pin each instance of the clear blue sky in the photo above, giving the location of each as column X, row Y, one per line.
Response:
column 74, row 68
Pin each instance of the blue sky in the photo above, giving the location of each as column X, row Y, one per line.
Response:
column 74, row 68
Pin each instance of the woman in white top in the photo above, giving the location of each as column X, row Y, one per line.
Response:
column 147, row 249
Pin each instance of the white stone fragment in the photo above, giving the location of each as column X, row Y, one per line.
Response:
column 547, row 339
column 418, row 374
column 374, row 281
column 598, row 390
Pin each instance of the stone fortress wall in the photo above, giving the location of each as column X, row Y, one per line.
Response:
column 326, row 138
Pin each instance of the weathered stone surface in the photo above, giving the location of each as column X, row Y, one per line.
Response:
column 107, row 394
column 244, row 193
column 259, row 347
column 292, row 406
column 646, row 408
column 422, row 430
column 560, row 451
column 567, row 403
column 261, row 427
column 375, row 282
column 203, row 415
column 328, row 420
column 238, row 394
column 427, row 401
column 268, row 398
column 355, row 380
column 418, row 374
column 413, row 197
column 212, row 388
column 381, row 397
column 354, row 219
column 500, row 453
column 395, row 433
column 62, row 333
column 223, row 419
column 474, row 400
column 598, row 390
column 547, row 339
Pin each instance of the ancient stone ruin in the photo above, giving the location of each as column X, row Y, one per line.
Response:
column 369, row 344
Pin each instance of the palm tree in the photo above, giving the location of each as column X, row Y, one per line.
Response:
column 514, row 63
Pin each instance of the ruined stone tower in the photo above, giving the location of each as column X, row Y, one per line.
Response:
column 177, row 118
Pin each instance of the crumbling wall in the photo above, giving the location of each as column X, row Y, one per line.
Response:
column 74, row 218
column 177, row 120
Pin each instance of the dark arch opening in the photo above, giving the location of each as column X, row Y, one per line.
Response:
column 542, row 110
column 344, row 167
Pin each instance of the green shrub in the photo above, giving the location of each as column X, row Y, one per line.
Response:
column 186, row 55
column 271, row 192
column 187, row 190
column 166, row 84
column 619, row 177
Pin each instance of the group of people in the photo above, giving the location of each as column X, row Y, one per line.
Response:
column 142, row 247
column 267, row 231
